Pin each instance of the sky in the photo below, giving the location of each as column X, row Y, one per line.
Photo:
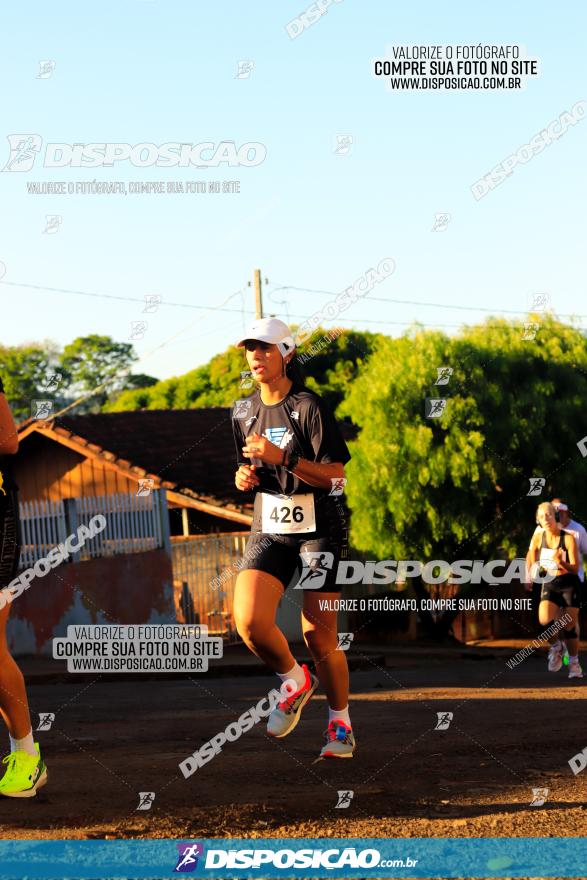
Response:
column 309, row 216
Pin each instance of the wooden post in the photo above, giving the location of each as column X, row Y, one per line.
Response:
column 71, row 523
column 185, row 521
column 160, row 503
column 258, row 294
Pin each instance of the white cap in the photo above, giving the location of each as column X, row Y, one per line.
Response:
column 270, row 330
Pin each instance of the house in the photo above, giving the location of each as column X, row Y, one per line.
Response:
column 189, row 453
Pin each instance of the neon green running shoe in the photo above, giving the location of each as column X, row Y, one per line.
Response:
column 25, row 774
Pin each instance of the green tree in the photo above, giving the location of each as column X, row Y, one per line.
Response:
column 93, row 360
column 455, row 487
column 331, row 365
column 26, row 372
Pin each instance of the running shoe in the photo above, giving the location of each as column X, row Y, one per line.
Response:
column 340, row 741
column 286, row 714
column 25, row 774
column 555, row 658
column 575, row 670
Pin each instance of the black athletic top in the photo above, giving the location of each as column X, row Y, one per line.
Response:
column 567, row 579
column 301, row 423
column 561, row 543
column 6, row 466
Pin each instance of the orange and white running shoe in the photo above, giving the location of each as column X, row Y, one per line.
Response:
column 340, row 741
column 286, row 714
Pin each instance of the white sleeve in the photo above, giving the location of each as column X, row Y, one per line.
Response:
column 582, row 539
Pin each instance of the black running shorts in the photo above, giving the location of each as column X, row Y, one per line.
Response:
column 310, row 559
column 10, row 537
column 564, row 591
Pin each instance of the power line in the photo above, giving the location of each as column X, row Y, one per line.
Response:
column 241, row 311
column 125, row 298
column 412, row 302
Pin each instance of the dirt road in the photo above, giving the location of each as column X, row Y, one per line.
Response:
column 511, row 731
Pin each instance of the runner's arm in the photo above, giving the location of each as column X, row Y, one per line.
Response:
column 318, row 474
column 8, row 432
column 531, row 557
column 572, row 565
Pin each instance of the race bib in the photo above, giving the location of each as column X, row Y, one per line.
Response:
column 288, row 514
column 546, row 560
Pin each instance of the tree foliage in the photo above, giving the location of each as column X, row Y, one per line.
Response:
column 456, row 486
column 332, row 364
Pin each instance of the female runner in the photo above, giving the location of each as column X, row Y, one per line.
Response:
column 291, row 454
column 556, row 551
column 26, row 771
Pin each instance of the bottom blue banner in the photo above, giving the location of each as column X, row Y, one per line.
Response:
column 299, row 857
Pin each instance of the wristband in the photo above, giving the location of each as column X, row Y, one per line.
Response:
column 292, row 462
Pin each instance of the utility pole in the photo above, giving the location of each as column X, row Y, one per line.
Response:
column 258, row 294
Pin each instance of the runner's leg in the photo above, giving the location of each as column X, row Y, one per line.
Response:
column 256, row 597
column 319, row 627
column 13, row 699
column 572, row 642
column 547, row 612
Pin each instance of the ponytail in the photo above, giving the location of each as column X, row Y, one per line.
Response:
column 293, row 371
